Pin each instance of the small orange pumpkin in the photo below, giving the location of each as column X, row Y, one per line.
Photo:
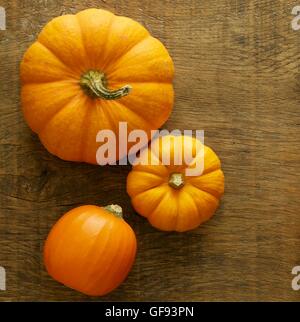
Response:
column 90, row 249
column 88, row 72
column 170, row 199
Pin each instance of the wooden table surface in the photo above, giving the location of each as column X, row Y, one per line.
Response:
column 237, row 77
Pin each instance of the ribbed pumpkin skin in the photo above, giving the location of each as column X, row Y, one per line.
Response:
column 179, row 209
column 90, row 250
column 61, row 113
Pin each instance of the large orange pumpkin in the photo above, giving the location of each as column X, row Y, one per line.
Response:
column 169, row 197
column 88, row 72
column 90, row 249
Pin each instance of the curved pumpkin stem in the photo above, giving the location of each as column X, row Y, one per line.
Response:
column 176, row 180
column 115, row 210
column 93, row 83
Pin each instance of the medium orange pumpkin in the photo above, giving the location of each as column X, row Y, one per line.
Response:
column 170, row 199
column 90, row 249
column 88, row 72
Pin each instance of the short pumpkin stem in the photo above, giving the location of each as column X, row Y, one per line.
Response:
column 115, row 209
column 94, row 84
column 176, row 180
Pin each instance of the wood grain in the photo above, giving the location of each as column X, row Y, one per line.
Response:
column 237, row 77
